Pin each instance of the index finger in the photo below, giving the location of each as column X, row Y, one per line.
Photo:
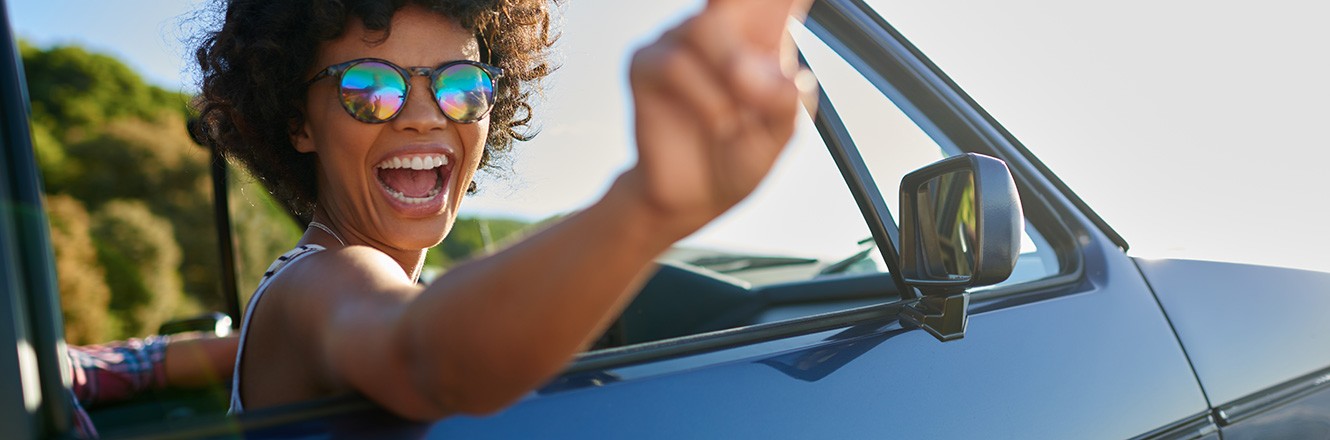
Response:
column 761, row 23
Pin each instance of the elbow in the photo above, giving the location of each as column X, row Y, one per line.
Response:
column 490, row 390
column 481, row 397
column 474, row 372
column 482, row 383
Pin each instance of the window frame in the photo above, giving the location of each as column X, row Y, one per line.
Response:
column 27, row 257
column 930, row 99
column 948, row 115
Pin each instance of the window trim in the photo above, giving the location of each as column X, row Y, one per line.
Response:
column 867, row 194
column 944, row 112
column 922, row 105
column 719, row 340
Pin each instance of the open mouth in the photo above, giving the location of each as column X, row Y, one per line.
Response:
column 413, row 179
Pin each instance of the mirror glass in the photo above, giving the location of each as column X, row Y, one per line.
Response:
column 949, row 220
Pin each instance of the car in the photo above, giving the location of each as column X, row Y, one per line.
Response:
column 933, row 327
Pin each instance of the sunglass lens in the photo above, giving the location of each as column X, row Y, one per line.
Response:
column 464, row 92
column 373, row 91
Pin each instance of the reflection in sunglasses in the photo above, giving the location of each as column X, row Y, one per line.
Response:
column 375, row 90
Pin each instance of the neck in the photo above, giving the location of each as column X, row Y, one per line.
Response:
column 411, row 260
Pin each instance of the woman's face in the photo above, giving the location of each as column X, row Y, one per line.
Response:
column 363, row 188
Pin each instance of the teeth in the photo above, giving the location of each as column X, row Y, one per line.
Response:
column 414, row 200
column 414, row 162
column 422, row 162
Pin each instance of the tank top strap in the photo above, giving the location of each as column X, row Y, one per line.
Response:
column 277, row 266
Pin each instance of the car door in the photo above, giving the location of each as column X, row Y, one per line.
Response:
column 1079, row 349
column 1084, row 352
column 1264, row 368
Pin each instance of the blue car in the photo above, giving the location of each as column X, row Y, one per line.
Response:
column 950, row 286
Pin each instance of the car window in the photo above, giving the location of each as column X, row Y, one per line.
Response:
column 803, row 222
column 892, row 145
column 800, row 221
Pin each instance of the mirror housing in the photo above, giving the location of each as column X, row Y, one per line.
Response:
column 961, row 226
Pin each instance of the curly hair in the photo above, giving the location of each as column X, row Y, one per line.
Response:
column 252, row 76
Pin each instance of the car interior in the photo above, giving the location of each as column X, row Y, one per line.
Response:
column 681, row 300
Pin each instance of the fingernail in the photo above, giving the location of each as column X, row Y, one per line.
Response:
column 806, row 81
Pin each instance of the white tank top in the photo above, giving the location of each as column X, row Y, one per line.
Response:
column 282, row 261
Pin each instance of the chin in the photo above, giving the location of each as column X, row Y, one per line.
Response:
column 424, row 235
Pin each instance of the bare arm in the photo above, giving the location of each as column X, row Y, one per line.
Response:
column 198, row 363
column 713, row 111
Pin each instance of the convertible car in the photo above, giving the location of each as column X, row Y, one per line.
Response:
column 979, row 297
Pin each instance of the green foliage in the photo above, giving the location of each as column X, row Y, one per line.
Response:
column 51, row 156
column 142, row 259
column 157, row 163
column 79, row 91
column 137, row 159
column 82, row 280
column 262, row 230
column 467, row 240
column 118, row 147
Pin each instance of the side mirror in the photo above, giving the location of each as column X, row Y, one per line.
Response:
column 960, row 227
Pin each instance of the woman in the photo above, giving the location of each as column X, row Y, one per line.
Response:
column 309, row 98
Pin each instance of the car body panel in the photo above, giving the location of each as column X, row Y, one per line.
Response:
column 1246, row 328
column 1028, row 371
column 1307, row 416
column 1066, row 367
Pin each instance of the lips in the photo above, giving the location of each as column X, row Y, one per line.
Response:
column 413, row 179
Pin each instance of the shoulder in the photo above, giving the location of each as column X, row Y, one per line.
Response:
column 338, row 274
column 319, row 296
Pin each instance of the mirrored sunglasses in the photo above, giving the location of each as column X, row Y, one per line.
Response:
column 375, row 90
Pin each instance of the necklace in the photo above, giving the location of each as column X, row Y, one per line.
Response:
column 325, row 228
column 328, row 230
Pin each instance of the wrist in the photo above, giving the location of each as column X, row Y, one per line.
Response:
column 645, row 224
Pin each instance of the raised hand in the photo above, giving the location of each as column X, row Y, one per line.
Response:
column 714, row 108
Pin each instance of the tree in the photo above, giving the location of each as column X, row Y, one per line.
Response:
column 156, row 163
column 474, row 237
column 84, row 296
column 262, row 229
column 142, row 261
column 77, row 91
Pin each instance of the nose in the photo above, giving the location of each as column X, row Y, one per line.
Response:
column 420, row 113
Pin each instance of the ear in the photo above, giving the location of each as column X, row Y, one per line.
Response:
column 300, row 137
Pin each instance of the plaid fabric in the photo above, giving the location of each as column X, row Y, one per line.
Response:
column 83, row 427
column 114, row 371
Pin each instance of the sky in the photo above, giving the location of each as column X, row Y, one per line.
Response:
column 1195, row 128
